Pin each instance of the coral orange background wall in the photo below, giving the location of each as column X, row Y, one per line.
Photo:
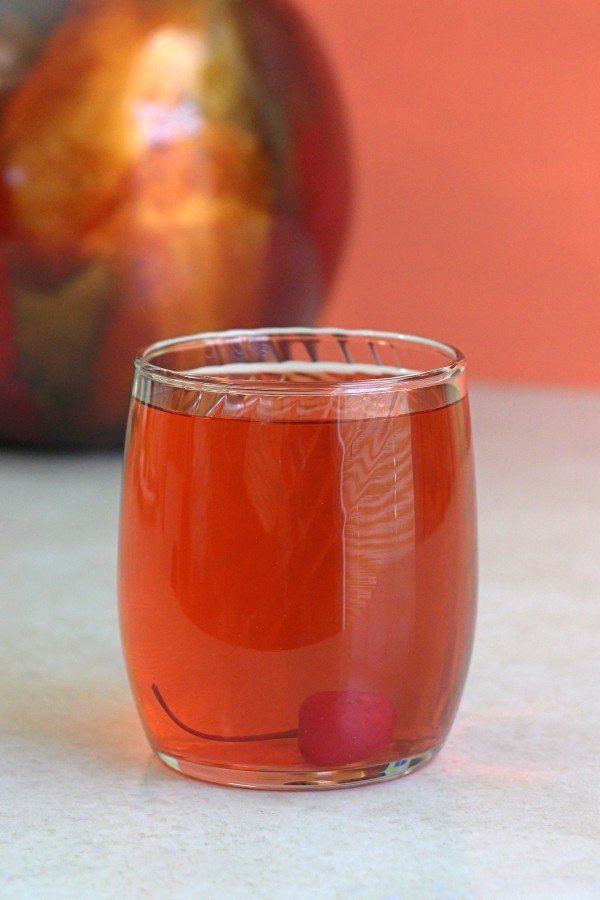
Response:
column 477, row 143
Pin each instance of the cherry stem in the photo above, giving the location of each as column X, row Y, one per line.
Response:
column 246, row 738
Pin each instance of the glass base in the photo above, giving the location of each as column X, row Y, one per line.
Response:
column 299, row 780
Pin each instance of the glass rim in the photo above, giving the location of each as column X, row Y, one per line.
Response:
column 145, row 367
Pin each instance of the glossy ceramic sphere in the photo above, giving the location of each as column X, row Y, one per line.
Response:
column 166, row 167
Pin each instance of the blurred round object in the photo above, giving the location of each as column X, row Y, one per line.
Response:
column 166, row 167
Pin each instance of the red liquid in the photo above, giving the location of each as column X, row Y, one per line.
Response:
column 263, row 563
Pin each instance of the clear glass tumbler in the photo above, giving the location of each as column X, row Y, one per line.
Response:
column 298, row 554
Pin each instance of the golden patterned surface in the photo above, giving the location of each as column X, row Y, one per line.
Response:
column 142, row 143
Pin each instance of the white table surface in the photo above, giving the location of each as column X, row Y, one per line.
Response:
column 508, row 810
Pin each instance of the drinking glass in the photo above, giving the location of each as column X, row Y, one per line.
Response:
column 298, row 553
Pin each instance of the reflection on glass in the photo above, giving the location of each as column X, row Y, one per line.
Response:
column 163, row 87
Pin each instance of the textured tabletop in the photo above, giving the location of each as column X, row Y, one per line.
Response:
column 508, row 810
